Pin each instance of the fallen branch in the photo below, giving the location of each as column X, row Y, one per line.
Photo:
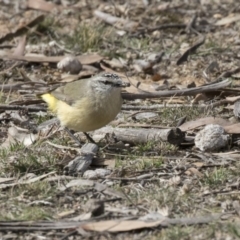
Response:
column 26, row 108
column 182, row 92
column 135, row 136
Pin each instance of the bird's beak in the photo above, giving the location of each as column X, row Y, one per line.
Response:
column 121, row 84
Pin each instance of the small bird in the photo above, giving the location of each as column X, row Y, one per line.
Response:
column 88, row 104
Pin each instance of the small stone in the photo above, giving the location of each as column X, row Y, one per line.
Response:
column 70, row 64
column 211, row 138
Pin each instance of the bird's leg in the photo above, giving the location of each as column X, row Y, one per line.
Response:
column 73, row 137
column 76, row 139
column 89, row 138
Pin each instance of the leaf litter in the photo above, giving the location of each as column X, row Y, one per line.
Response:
column 147, row 179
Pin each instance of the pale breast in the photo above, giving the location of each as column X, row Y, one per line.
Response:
column 89, row 114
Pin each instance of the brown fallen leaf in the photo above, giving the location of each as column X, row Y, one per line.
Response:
column 228, row 20
column 194, row 171
column 119, row 225
column 84, row 59
column 204, row 121
column 200, row 97
column 120, row 23
column 42, row 5
column 233, row 99
column 137, row 86
column 233, row 129
column 198, row 164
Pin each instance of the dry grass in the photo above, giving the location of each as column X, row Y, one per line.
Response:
column 173, row 190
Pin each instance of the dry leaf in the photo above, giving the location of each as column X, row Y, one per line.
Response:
column 84, row 59
column 198, row 164
column 194, row 171
column 119, row 225
column 203, row 121
column 233, row 99
column 200, row 97
column 228, row 20
column 19, row 50
column 117, row 22
column 42, row 5
column 234, row 128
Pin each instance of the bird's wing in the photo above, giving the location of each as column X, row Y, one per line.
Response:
column 71, row 92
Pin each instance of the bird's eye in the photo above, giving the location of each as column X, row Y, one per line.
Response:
column 106, row 82
column 110, row 75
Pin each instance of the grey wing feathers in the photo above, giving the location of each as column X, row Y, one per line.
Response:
column 71, row 92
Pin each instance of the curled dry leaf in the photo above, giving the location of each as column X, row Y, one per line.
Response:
column 120, row 23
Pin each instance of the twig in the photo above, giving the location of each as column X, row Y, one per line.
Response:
column 191, row 50
column 183, row 92
column 4, row 107
column 22, row 29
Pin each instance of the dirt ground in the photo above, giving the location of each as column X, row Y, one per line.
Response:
column 151, row 175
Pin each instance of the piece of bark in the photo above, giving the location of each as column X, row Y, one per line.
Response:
column 135, row 136
column 81, row 163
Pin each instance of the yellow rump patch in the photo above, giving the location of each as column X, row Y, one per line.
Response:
column 51, row 101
